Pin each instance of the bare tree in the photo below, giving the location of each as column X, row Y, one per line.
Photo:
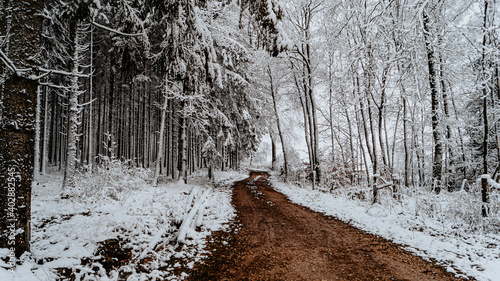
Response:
column 302, row 20
column 278, row 119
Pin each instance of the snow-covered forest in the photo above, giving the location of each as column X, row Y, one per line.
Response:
column 390, row 103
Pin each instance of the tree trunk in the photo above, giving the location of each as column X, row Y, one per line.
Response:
column 73, row 113
column 274, row 159
column 36, row 161
column 484, row 98
column 381, row 113
column 170, row 127
column 314, row 119
column 375, row 160
column 110, row 120
column 352, row 156
column 17, row 127
column 405, row 142
column 90, row 159
column 438, row 147
column 307, row 131
column 360, row 136
column 184, row 145
column 278, row 123
column 309, row 105
column 448, row 181
column 365, row 128
column 159, row 151
column 45, row 142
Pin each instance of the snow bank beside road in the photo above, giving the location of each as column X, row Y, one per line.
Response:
column 477, row 256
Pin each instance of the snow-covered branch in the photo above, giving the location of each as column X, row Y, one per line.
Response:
column 20, row 71
column 493, row 184
column 10, row 64
column 116, row 31
column 384, row 186
column 62, row 72
column 55, row 86
column 87, row 103
column 33, row 77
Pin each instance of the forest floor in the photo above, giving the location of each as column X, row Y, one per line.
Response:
column 274, row 239
column 117, row 226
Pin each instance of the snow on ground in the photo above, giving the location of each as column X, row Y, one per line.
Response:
column 118, row 206
column 432, row 226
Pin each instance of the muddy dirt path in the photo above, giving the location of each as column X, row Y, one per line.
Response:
column 277, row 240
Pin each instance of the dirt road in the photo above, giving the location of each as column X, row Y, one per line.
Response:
column 278, row 240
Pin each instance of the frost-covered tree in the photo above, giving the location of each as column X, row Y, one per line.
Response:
column 73, row 14
column 74, row 20
column 239, row 114
column 165, row 77
column 303, row 18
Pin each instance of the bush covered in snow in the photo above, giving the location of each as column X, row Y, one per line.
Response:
column 109, row 180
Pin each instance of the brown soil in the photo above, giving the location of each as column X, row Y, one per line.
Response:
column 277, row 240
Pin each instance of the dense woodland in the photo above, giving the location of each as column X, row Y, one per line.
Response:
column 381, row 92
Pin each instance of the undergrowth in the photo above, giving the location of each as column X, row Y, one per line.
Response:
column 110, row 180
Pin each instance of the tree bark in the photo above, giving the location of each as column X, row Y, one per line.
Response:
column 360, row 136
column 73, row 112
column 381, row 113
column 17, row 127
column 278, row 122
column 438, row 146
column 405, row 142
column 45, row 142
column 274, row 159
column 159, row 151
column 36, row 161
column 90, row 159
column 484, row 97
column 184, row 145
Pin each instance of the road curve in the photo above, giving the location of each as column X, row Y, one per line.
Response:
column 274, row 239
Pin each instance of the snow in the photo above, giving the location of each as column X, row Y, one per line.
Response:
column 118, row 203
column 475, row 254
column 491, row 182
column 271, row 15
column 186, row 225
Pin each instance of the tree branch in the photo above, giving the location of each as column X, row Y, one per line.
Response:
column 62, row 72
column 116, row 31
column 10, row 64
